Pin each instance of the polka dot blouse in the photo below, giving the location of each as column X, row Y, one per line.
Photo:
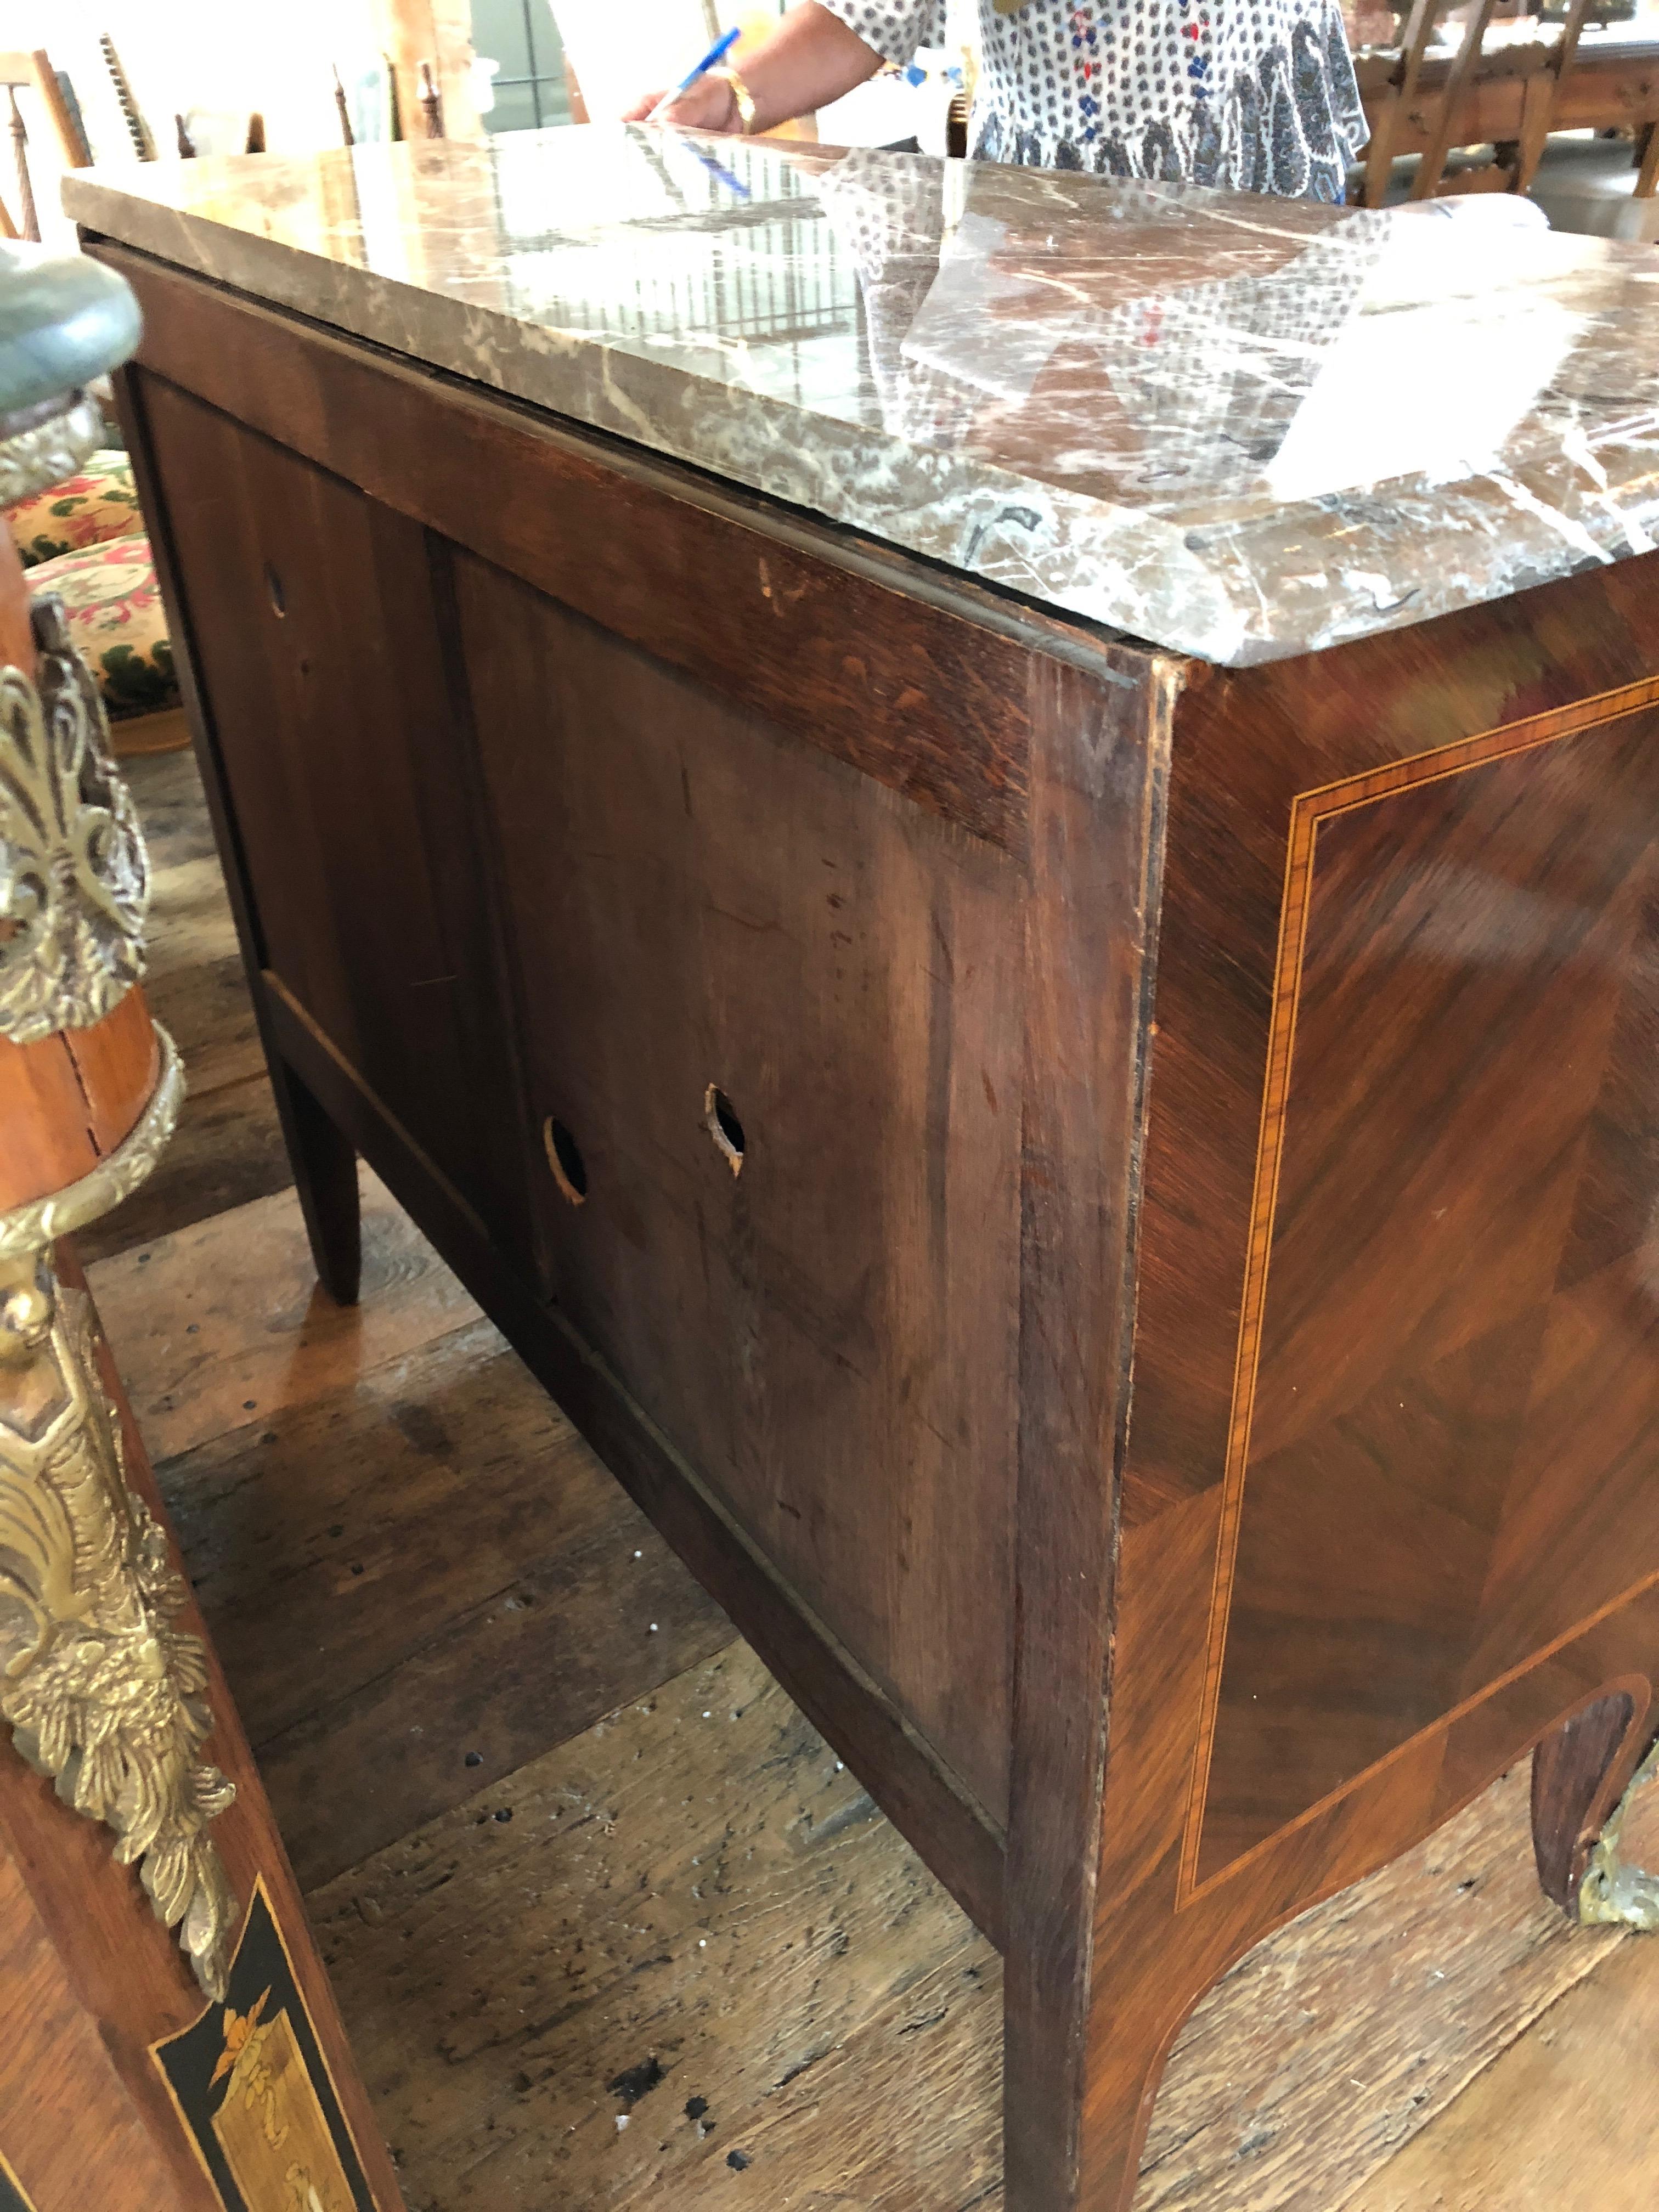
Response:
column 1257, row 95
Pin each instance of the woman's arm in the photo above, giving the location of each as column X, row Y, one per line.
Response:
column 811, row 59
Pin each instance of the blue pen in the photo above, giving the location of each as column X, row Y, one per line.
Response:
column 717, row 52
column 719, row 170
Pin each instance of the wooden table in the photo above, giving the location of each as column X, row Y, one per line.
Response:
column 1511, row 95
column 1101, row 1198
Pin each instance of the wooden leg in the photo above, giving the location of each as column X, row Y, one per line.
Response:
column 1576, row 1775
column 1074, row 2141
column 1647, row 174
column 1141, row 2003
column 1379, row 155
column 324, row 1164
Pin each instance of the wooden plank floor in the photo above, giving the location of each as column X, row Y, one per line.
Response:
column 610, row 1926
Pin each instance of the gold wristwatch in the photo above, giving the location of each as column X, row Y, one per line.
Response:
column 742, row 98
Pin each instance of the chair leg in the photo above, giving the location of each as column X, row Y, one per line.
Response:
column 1379, row 155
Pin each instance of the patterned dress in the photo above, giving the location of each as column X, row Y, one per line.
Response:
column 1256, row 95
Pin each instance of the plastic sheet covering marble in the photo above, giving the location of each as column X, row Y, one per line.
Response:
column 1234, row 427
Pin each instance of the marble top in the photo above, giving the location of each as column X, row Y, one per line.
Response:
column 1233, row 427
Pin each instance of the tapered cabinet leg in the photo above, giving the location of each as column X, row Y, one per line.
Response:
column 1074, row 2145
column 324, row 1164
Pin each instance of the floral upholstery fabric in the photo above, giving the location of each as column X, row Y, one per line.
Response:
column 89, row 509
column 117, row 620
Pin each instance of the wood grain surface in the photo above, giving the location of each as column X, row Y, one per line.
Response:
column 1564, row 2115
column 460, row 1568
column 219, row 1330
column 694, row 902
column 319, row 643
column 840, row 2018
column 1309, row 2077
column 603, row 782
column 1452, row 1355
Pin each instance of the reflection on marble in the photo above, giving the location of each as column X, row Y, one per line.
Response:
column 1234, row 427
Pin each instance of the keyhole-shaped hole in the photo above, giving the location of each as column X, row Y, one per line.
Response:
column 721, row 1118
column 274, row 587
column 564, row 1158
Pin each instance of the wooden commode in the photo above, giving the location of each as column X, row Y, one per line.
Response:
column 1011, row 932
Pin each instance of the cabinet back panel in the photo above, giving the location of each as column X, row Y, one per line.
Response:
column 316, row 640
column 698, row 899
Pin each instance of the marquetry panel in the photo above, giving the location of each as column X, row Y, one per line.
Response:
column 1446, row 1413
column 252, row 2088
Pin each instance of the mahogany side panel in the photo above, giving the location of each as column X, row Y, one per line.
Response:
column 1248, row 748
column 1448, row 1391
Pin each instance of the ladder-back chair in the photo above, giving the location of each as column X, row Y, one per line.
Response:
column 35, row 72
column 1438, row 116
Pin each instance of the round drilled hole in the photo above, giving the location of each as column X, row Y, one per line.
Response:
column 565, row 1159
column 274, row 587
column 721, row 1120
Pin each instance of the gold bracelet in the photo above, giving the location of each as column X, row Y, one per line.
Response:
column 742, row 99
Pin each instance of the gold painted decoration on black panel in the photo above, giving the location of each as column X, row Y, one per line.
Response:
column 252, row 2086
column 14, row 2198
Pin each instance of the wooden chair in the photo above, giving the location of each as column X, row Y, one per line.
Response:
column 35, row 71
column 1544, row 69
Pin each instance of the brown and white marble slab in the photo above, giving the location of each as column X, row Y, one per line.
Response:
column 1231, row 426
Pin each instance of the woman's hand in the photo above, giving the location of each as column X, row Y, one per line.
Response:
column 811, row 59
column 708, row 105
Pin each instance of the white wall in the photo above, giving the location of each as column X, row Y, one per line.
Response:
column 214, row 60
